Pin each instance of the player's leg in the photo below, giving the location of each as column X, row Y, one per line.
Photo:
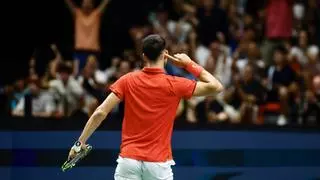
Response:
column 157, row 171
column 128, row 169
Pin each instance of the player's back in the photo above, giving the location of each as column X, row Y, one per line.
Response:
column 151, row 101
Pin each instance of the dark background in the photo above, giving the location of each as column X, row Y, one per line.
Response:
column 35, row 24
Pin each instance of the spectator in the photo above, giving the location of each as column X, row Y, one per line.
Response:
column 312, row 69
column 283, row 84
column 136, row 34
column 51, row 70
column 177, row 31
column 241, row 101
column 103, row 76
column 230, row 38
column 252, row 94
column 66, row 90
column 87, row 29
column 254, row 8
column 93, row 93
column 42, row 104
column 211, row 20
column 311, row 75
column 134, row 59
column 298, row 18
column 219, row 63
column 298, row 54
column 19, row 92
column 210, row 111
column 251, row 55
column 278, row 26
column 6, row 99
column 312, row 21
column 312, row 107
column 235, row 26
column 124, row 68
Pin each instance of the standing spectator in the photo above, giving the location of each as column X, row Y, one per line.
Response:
column 278, row 26
column 42, row 104
column 67, row 92
column 51, row 70
column 87, row 29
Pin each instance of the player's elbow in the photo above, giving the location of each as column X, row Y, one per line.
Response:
column 216, row 87
column 220, row 87
column 100, row 114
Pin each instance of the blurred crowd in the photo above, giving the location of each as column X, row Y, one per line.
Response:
column 266, row 54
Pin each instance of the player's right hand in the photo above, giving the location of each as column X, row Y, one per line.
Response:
column 72, row 154
column 76, row 148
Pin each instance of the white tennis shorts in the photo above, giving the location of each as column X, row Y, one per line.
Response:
column 131, row 169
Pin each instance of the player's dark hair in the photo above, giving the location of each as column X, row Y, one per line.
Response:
column 152, row 46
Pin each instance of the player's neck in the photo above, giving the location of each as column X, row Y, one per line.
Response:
column 159, row 65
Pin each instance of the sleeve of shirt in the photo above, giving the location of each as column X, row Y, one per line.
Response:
column 119, row 87
column 183, row 87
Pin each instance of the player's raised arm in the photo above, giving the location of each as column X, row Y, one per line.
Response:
column 208, row 84
column 71, row 6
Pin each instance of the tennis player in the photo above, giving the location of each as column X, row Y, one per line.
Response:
column 151, row 100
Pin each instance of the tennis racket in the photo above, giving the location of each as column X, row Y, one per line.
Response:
column 70, row 163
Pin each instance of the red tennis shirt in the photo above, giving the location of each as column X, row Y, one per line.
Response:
column 151, row 100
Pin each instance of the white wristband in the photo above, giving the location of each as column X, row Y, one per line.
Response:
column 77, row 146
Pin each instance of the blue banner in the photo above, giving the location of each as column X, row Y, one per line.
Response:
column 199, row 155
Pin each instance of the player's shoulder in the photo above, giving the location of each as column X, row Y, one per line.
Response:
column 134, row 73
column 175, row 78
column 130, row 75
